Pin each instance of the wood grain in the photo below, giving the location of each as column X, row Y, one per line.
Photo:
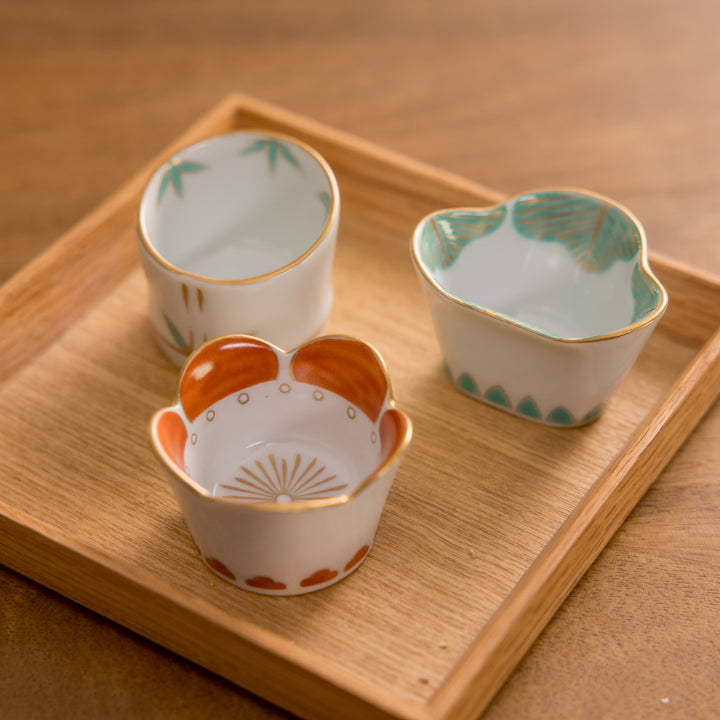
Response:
column 621, row 98
column 477, row 561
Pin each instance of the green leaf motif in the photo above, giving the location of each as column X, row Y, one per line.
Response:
column 173, row 175
column 444, row 236
column 272, row 148
column 646, row 294
column 325, row 200
column 182, row 345
column 288, row 155
column 595, row 232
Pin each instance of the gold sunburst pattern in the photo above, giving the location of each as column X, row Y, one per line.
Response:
column 277, row 479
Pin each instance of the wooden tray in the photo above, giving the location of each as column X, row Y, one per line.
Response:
column 491, row 520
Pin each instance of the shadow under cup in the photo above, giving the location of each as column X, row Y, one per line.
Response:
column 237, row 234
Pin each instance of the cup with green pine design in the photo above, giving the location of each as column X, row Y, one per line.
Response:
column 541, row 304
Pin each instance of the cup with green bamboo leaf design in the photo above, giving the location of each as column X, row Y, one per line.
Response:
column 237, row 234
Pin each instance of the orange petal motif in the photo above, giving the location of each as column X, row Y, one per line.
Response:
column 321, row 576
column 348, row 368
column 393, row 428
column 265, row 583
column 172, row 436
column 223, row 367
column 359, row 555
column 220, row 567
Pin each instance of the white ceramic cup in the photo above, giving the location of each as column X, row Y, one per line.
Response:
column 282, row 461
column 541, row 304
column 237, row 234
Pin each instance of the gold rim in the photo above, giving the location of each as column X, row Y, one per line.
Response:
column 302, row 505
column 331, row 218
column 659, row 310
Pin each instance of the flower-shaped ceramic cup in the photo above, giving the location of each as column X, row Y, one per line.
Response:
column 541, row 304
column 281, row 462
column 237, row 234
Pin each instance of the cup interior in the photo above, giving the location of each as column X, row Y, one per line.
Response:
column 256, row 425
column 565, row 264
column 277, row 443
column 237, row 206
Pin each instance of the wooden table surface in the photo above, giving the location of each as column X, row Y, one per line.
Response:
column 621, row 97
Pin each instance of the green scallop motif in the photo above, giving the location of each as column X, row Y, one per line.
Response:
column 529, row 408
column 595, row 232
column 444, row 236
column 467, row 384
column 593, row 414
column 561, row 416
column 497, row 396
column 646, row 294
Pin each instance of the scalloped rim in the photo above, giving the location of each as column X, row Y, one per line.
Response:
column 428, row 276
column 303, row 505
column 333, row 210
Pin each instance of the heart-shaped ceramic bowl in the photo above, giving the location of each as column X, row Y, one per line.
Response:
column 541, row 304
column 281, row 462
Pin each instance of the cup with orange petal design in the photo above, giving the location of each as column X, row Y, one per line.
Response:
column 282, row 461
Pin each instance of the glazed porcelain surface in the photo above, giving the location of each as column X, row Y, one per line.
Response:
column 237, row 234
column 541, row 304
column 282, row 461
